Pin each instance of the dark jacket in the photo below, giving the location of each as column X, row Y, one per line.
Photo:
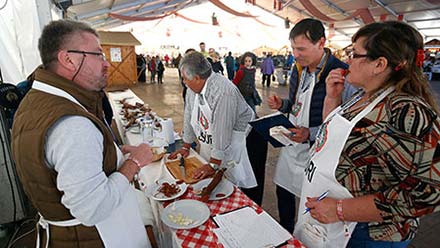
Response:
column 319, row 90
column 160, row 67
column 247, row 83
column 217, row 67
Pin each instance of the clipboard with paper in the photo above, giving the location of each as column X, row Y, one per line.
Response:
column 271, row 128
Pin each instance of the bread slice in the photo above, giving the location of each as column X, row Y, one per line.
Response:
column 158, row 153
column 191, row 165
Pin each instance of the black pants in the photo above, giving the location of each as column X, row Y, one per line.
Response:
column 257, row 152
column 231, row 73
column 159, row 77
column 266, row 77
column 141, row 75
column 286, row 208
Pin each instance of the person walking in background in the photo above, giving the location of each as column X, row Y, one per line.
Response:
column 290, row 59
column 267, row 69
column 167, row 60
column 152, row 69
column 230, row 66
column 147, row 62
column 203, row 51
column 245, row 80
column 141, row 65
column 377, row 154
column 160, row 70
column 176, row 60
column 216, row 62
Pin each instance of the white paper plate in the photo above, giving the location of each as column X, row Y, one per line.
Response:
column 153, row 191
column 194, row 212
column 224, row 189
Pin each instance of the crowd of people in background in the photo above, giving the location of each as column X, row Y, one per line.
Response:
column 150, row 68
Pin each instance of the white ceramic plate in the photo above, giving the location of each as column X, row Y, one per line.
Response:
column 153, row 191
column 185, row 214
column 224, row 188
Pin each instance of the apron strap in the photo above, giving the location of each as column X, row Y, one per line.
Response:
column 372, row 104
column 54, row 91
column 45, row 225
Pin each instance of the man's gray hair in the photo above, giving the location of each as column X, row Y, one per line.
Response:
column 195, row 63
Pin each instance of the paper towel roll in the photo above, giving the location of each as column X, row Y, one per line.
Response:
column 168, row 129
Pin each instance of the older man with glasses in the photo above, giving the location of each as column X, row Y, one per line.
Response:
column 216, row 115
column 67, row 161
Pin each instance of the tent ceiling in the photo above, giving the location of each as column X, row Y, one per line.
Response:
column 422, row 14
column 97, row 12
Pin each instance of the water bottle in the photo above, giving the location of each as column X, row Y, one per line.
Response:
column 147, row 131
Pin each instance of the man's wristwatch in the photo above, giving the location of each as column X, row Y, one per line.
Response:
column 214, row 166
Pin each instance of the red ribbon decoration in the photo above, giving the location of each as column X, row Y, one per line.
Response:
column 420, row 57
column 257, row 20
column 229, row 10
column 136, row 18
column 363, row 13
column 383, row 17
column 189, row 19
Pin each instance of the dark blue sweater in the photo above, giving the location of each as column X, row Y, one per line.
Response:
column 319, row 92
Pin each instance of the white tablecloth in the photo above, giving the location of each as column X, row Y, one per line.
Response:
column 131, row 136
column 150, row 173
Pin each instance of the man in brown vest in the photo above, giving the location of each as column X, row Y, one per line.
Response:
column 69, row 166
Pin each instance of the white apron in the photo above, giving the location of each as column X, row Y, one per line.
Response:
column 320, row 177
column 289, row 172
column 236, row 159
column 124, row 227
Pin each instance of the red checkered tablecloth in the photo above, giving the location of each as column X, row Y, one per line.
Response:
column 203, row 236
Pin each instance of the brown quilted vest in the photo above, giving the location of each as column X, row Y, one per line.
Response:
column 36, row 114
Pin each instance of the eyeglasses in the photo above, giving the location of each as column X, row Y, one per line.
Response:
column 353, row 55
column 99, row 54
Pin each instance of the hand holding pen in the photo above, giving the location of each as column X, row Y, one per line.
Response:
column 320, row 198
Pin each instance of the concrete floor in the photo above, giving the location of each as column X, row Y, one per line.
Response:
column 166, row 100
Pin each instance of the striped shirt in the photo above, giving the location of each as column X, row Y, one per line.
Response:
column 393, row 153
column 229, row 112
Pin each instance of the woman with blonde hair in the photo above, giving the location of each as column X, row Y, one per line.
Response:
column 375, row 162
column 215, row 62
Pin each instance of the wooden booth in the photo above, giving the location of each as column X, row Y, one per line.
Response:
column 119, row 50
column 433, row 46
